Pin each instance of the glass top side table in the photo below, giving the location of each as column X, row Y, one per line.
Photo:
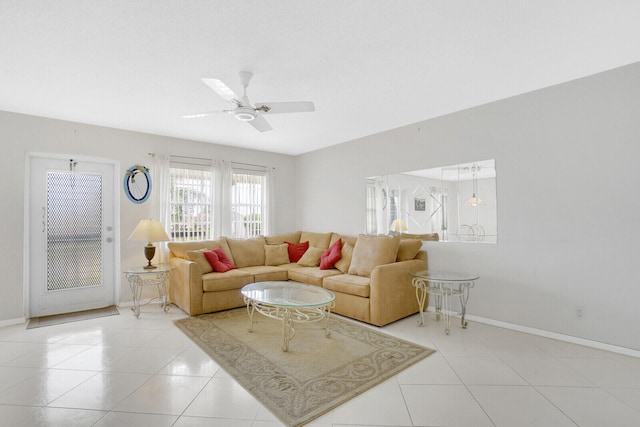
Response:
column 139, row 277
column 443, row 285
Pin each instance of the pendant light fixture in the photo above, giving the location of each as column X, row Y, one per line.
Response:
column 474, row 200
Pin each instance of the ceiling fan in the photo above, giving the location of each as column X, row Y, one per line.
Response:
column 244, row 111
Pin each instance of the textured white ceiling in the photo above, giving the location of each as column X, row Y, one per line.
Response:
column 368, row 65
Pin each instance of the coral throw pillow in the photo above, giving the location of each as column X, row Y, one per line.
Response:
column 296, row 250
column 222, row 256
column 219, row 260
column 331, row 255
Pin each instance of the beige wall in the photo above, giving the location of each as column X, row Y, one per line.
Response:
column 21, row 134
column 568, row 200
column 567, row 159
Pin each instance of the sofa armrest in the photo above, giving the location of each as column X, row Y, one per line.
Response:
column 186, row 285
column 392, row 296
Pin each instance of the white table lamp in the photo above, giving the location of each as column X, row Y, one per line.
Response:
column 398, row 226
column 149, row 230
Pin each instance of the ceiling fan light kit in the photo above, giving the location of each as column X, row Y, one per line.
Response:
column 243, row 109
column 244, row 114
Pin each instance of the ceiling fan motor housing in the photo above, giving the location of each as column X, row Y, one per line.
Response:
column 246, row 114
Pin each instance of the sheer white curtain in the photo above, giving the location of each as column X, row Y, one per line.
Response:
column 270, row 200
column 222, row 212
column 161, row 207
column 382, row 199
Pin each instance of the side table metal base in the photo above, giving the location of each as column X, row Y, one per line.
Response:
column 138, row 278
column 443, row 291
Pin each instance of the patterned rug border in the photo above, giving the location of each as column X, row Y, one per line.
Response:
column 59, row 319
column 230, row 353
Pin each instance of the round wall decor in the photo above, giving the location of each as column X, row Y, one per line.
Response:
column 137, row 183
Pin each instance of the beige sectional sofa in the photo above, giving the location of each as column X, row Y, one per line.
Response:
column 371, row 281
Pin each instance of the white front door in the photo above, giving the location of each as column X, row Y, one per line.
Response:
column 71, row 235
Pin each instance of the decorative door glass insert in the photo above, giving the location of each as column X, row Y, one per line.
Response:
column 74, row 230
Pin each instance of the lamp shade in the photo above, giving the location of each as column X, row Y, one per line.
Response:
column 149, row 230
column 398, row 225
column 475, row 201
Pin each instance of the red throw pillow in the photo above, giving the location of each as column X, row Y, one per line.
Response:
column 331, row 255
column 219, row 263
column 212, row 257
column 296, row 250
column 224, row 259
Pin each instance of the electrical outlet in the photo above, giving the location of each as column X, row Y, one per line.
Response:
column 579, row 312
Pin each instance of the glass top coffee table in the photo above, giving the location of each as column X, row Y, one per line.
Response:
column 289, row 302
column 443, row 285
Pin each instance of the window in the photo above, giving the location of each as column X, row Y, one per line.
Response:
column 372, row 219
column 207, row 201
column 191, row 202
column 248, row 204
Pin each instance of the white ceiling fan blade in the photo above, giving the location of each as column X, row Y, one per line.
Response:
column 285, row 107
column 204, row 114
column 221, row 89
column 260, row 124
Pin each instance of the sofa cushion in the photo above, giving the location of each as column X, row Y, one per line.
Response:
column 276, row 254
column 296, row 250
column 311, row 257
column 348, row 284
column 179, row 249
column 345, row 239
column 372, row 251
column 310, row 275
column 344, row 262
column 317, row 240
column 430, row 236
column 247, row 253
column 331, row 255
column 278, row 239
column 199, row 258
column 408, row 249
column 290, row 265
column 233, row 279
column 267, row 273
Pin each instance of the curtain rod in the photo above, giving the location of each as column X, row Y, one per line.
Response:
column 183, row 157
column 201, row 158
column 251, row 164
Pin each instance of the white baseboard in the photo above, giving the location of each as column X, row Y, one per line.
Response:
column 548, row 334
column 486, row 321
column 145, row 301
column 11, row 322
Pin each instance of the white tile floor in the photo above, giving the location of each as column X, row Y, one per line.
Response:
column 123, row 371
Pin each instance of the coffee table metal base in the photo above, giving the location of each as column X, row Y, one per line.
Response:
column 288, row 316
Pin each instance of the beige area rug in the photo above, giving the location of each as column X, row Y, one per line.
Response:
column 57, row 319
column 316, row 375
